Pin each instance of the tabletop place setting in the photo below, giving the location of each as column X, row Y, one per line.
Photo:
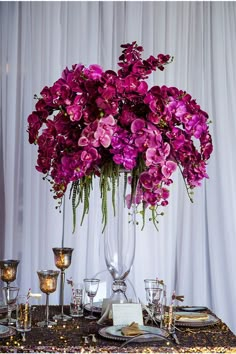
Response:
column 160, row 320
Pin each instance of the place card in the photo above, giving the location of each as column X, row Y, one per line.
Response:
column 125, row 314
column 105, row 304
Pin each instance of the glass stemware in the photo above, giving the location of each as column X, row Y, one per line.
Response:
column 10, row 294
column 153, row 296
column 8, row 271
column 62, row 258
column 91, row 288
column 48, row 284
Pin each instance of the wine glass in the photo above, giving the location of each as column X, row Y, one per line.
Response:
column 153, row 296
column 62, row 258
column 91, row 288
column 10, row 294
column 48, row 284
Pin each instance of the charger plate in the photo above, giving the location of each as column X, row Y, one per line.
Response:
column 114, row 332
column 193, row 319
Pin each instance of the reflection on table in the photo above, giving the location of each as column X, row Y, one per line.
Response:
column 81, row 335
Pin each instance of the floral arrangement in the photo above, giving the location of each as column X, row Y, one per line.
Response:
column 93, row 123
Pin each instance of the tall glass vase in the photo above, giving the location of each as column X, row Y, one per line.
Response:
column 120, row 239
column 119, row 242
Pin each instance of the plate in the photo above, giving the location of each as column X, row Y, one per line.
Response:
column 114, row 332
column 97, row 307
column 3, row 329
column 3, row 308
column 10, row 332
column 193, row 308
column 194, row 320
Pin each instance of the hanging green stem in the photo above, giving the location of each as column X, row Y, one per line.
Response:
column 74, row 204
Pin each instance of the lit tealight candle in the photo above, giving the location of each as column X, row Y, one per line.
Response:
column 48, row 285
column 8, row 274
column 60, row 261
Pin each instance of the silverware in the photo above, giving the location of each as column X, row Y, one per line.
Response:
column 174, row 336
column 149, row 313
column 158, row 336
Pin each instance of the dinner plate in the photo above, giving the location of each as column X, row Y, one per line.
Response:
column 97, row 307
column 114, row 332
column 10, row 332
column 193, row 308
column 193, row 319
column 3, row 308
column 3, row 329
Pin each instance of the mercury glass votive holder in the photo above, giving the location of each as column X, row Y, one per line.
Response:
column 62, row 259
column 48, row 284
column 8, row 270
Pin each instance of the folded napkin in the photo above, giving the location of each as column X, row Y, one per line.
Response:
column 198, row 317
column 131, row 330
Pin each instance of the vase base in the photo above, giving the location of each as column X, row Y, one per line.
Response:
column 62, row 317
column 48, row 324
column 116, row 298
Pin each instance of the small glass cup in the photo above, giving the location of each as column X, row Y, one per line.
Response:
column 76, row 303
column 153, row 296
column 23, row 314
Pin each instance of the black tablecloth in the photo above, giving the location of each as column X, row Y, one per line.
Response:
column 69, row 337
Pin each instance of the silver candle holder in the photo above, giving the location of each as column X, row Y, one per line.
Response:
column 8, row 270
column 62, row 259
column 48, row 284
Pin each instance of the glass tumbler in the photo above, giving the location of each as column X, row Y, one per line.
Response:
column 23, row 314
column 76, row 303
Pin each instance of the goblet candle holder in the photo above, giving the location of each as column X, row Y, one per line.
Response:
column 8, row 270
column 62, row 258
column 48, row 284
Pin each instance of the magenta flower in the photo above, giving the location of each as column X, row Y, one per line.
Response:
column 92, row 122
column 168, row 168
column 75, row 112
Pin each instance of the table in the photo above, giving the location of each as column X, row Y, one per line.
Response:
column 68, row 337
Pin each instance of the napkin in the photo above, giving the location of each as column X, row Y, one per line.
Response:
column 131, row 330
column 198, row 317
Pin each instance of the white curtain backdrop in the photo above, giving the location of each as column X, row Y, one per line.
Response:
column 194, row 250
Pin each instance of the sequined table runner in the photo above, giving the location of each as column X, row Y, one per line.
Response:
column 81, row 336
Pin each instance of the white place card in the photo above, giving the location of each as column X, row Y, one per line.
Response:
column 125, row 314
column 105, row 303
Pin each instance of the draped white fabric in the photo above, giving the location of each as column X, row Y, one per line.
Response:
column 194, row 250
